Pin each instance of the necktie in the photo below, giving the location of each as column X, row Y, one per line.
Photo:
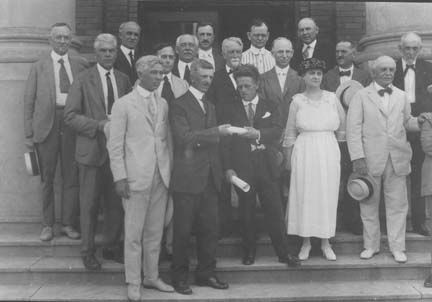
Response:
column 250, row 114
column 346, row 73
column 63, row 77
column 408, row 67
column 131, row 56
column 385, row 90
column 110, row 92
column 230, row 71
column 167, row 92
column 186, row 76
column 306, row 52
column 152, row 106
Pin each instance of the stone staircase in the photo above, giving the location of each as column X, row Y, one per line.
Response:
column 31, row 270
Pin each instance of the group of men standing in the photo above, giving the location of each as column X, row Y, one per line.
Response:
column 132, row 133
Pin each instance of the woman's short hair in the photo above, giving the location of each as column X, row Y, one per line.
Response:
column 311, row 64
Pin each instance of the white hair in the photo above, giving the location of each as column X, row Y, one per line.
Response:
column 195, row 39
column 145, row 63
column 225, row 42
column 104, row 37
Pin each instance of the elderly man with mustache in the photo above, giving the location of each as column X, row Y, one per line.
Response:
column 187, row 50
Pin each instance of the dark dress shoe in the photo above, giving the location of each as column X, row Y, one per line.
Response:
column 292, row 261
column 182, row 287
column 428, row 281
column 90, row 262
column 421, row 229
column 115, row 254
column 212, row 282
column 248, row 258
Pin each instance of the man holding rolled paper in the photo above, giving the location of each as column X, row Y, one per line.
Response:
column 252, row 155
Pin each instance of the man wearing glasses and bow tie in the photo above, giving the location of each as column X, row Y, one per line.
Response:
column 414, row 75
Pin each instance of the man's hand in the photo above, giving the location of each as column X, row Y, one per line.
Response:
column 360, row 166
column 423, row 117
column 101, row 124
column 223, row 130
column 29, row 144
column 229, row 175
column 251, row 133
column 122, row 188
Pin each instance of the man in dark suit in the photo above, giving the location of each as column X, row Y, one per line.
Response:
column 129, row 35
column 206, row 51
column 414, row 75
column 196, row 180
column 187, row 51
column 87, row 111
column 224, row 90
column 310, row 46
column 44, row 100
column 253, row 157
column 279, row 84
column 345, row 70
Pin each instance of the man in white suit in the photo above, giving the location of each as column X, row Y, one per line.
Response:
column 378, row 117
column 140, row 149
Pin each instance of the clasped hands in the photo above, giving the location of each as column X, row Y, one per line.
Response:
column 423, row 117
column 122, row 188
column 360, row 166
column 251, row 133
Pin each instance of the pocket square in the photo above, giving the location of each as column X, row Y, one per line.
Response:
column 266, row 115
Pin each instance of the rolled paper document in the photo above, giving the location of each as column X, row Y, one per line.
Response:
column 241, row 184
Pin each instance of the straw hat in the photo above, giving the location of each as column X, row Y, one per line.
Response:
column 346, row 91
column 361, row 187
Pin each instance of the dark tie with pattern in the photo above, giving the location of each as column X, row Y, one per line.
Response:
column 186, row 76
column 167, row 92
column 63, row 78
column 346, row 73
column 306, row 52
column 408, row 67
column 131, row 56
column 110, row 94
column 385, row 90
column 250, row 114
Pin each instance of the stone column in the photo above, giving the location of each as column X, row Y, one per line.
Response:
column 386, row 22
column 24, row 28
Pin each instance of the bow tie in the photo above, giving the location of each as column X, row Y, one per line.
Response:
column 230, row 71
column 408, row 67
column 387, row 89
column 346, row 73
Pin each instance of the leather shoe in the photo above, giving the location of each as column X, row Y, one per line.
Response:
column 428, row 281
column 421, row 229
column 399, row 256
column 182, row 287
column 115, row 254
column 134, row 292
column 248, row 258
column 291, row 260
column 90, row 262
column 158, row 284
column 70, row 232
column 46, row 234
column 367, row 254
column 212, row 282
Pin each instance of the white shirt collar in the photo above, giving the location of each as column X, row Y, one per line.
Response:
column 168, row 75
column 126, row 50
column 103, row 71
column 347, row 69
column 281, row 70
column 183, row 64
column 206, row 52
column 379, row 87
column 312, row 45
column 56, row 57
column 256, row 51
column 143, row 92
column 196, row 93
column 254, row 101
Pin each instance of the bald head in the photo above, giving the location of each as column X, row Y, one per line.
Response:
column 383, row 69
column 307, row 30
column 282, row 51
column 410, row 46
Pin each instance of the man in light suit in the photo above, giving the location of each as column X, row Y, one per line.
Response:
column 279, row 84
column 196, row 180
column 206, row 51
column 187, row 51
column 378, row 117
column 310, row 46
column 414, row 75
column 129, row 35
column 345, row 70
column 87, row 112
column 172, row 86
column 44, row 100
column 140, row 150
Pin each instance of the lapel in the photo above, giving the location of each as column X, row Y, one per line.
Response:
column 96, row 84
column 195, row 106
column 241, row 113
column 121, row 89
column 398, row 77
column 419, row 75
column 124, row 61
column 141, row 104
column 227, row 79
column 49, row 67
column 375, row 98
column 73, row 66
column 356, row 75
column 259, row 112
column 274, row 83
column 290, row 78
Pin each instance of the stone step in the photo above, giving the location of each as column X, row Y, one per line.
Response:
column 22, row 239
column 59, row 270
column 383, row 291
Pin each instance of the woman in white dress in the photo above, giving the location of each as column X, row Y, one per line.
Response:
column 316, row 121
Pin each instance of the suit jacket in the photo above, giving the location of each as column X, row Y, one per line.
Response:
column 236, row 151
column 122, row 64
column 222, row 91
column 138, row 142
column 423, row 78
column 219, row 60
column 40, row 96
column 375, row 134
column 322, row 51
column 270, row 90
column 85, row 107
column 196, row 145
column 331, row 79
